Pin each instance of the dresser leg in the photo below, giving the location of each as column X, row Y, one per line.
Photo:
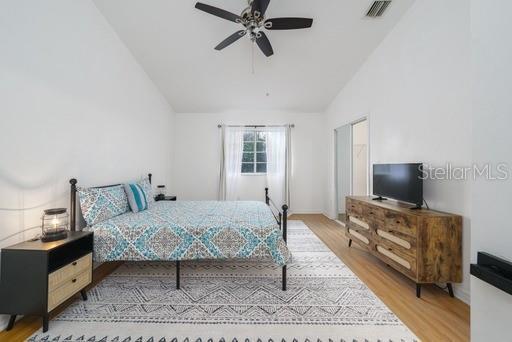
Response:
column 450, row 289
column 418, row 290
column 350, row 242
column 84, row 294
column 12, row 319
column 45, row 323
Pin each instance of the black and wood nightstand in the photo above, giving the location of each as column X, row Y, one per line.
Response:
column 165, row 198
column 36, row 276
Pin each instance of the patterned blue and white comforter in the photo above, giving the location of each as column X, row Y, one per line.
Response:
column 192, row 230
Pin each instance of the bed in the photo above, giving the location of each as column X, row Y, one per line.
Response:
column 191, row 230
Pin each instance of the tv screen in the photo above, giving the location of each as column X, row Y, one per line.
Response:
column 401, row 182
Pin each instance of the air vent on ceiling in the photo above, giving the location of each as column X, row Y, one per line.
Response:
column 377, row 8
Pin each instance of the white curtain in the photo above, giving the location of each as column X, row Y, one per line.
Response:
column 278, row 164
column 231, row 162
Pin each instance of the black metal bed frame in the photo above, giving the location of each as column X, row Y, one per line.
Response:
column 281, row 219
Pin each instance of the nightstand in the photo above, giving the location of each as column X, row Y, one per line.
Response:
column 165, row 198
column 36, row 276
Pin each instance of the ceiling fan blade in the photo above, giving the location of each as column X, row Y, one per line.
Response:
column 218, row 12
column 260, row 6
column 288, row 23
column 231, row 39
column 264, row 45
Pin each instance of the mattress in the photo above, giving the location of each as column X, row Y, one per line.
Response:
column 192, row 230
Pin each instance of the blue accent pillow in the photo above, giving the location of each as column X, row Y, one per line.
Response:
column 148, row 191
column 136, row 197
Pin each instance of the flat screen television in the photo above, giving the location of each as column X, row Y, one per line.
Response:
column 402, row 182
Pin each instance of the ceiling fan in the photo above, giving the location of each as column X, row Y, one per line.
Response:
column 254, row 22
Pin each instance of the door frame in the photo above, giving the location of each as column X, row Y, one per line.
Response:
column 336, row 183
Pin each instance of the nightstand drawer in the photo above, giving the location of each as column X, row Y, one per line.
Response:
column 68, row 272
column 68, row 288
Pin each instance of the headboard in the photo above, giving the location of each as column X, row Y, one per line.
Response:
column 72, row 204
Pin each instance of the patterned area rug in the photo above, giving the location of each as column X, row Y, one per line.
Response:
column 233, row 301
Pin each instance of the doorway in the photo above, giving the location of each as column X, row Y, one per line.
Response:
column 352, row 177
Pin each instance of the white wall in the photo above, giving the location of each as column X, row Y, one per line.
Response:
column 492, row 121
column 73, row 103
column 415, row 90
column 343, row 151
column 196, row 162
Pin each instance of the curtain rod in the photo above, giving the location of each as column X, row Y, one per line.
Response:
column 257, row 126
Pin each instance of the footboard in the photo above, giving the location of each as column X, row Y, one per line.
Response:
column 282, row 221
column 281, row 217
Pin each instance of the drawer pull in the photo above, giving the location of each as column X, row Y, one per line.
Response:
column 74, row 263
column 73, row 281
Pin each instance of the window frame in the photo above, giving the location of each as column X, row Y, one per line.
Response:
column 254, row 152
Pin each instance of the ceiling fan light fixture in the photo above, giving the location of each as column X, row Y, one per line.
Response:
column 253, row 19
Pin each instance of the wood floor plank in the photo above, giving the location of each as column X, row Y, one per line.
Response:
column 434, row 317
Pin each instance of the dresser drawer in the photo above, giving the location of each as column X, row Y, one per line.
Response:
column 354, row 207
column 374, row 213
column 357, row 223
column 394, row 239
column 68, row 272
column 358, row 236
column 387, row 240
column 396, row 258
column 68, row 288
column 402, row 223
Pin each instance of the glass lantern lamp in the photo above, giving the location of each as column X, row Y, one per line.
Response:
column 55, row 224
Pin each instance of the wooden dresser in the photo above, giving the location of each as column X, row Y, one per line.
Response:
column 36, row 276
column 424, row 245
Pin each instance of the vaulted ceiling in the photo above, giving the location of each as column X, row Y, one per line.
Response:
column 174, row 43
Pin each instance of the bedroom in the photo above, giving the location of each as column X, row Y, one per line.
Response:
column 107, row 91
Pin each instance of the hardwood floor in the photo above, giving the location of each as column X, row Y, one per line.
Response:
column 434, row 317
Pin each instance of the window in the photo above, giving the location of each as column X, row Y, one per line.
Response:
column 254, row 159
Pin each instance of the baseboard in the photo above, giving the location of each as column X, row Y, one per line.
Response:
column 307, row 212
column 4, row 320
column 328, row 216
column 341, row 223
column 462, row 294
